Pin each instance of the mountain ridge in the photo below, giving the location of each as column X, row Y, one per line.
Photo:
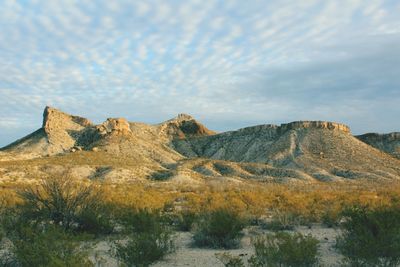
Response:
column 183, row 147
column 389, row 143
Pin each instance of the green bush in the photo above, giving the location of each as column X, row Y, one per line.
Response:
column 186, row 220
column 7, row 259
column 230, row 261
column 285, row 250
column 142, row 249
column 370, row 237
column 95, row 221
column 1, row 232
column 46, row 246
column 281, row 221
column 3, row 216
column 141, row 220
column 330, row 219
column 218, row 229
column 149, row 238
column 67, row 203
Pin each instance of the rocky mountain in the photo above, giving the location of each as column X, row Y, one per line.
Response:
column 389, row 143
column 63, row 133
column 184, row 150
column 320, row 150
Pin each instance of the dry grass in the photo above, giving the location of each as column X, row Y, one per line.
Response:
column 309, row 202
column 76, row 159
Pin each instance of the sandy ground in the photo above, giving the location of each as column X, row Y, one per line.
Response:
column 187, row 255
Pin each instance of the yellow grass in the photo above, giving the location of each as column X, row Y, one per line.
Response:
column 309, row 201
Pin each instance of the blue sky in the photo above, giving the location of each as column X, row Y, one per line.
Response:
column 228, row 63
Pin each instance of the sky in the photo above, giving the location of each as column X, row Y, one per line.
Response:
column 228, row 63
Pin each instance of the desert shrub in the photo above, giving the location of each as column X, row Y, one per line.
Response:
column 35, row 245
column 149, row 237
column 67, row 203
column 7, row 259
column 371, row 237
column 3, row 210
column 219, row 229
column 330, row 219
column 162, row 175
column 141, row 220
column 142, row 249
column 281, row 221
column 1, row 232
column 186, row 220
column 96, row 221
column 285, row 250
column 229, row 260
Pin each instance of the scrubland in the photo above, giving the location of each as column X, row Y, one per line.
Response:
column 61, row 222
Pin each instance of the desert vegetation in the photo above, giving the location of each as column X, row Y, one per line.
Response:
column 284, row 249
column 148, row 238
column 218, row 228
column 57, row 221
column 371, row 237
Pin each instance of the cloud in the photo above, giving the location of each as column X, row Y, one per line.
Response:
column 232, row 63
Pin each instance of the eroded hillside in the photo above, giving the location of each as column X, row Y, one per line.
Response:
column 182, row 150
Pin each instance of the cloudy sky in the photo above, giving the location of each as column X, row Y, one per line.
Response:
column 228, row 63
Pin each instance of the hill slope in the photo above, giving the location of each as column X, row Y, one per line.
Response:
column 389, row 143
column 183, row 150
column 323, row 150
column 63, row 133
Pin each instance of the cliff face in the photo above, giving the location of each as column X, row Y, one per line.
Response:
column 59, row 133
column 63, row 130
column 390, row 143
column 314, row 125
column 54, row 119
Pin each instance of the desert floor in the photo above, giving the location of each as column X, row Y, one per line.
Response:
column 187, row 255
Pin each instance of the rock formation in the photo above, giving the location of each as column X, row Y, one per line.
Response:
column 183, row 126
column 63, row 130
column 390, row 143
column 322, row 150
column 183, row 147
column 118, row 126
column 315, row 125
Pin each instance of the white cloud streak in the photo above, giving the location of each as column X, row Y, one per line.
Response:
column 232, row 64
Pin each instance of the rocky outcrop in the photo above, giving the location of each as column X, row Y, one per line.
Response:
column 63, row 130
column 54, row 119
column 183, row 126
column 314, row 125
column 64, row 133
column 117, row 126
column 60, row 133
column 389, row 143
